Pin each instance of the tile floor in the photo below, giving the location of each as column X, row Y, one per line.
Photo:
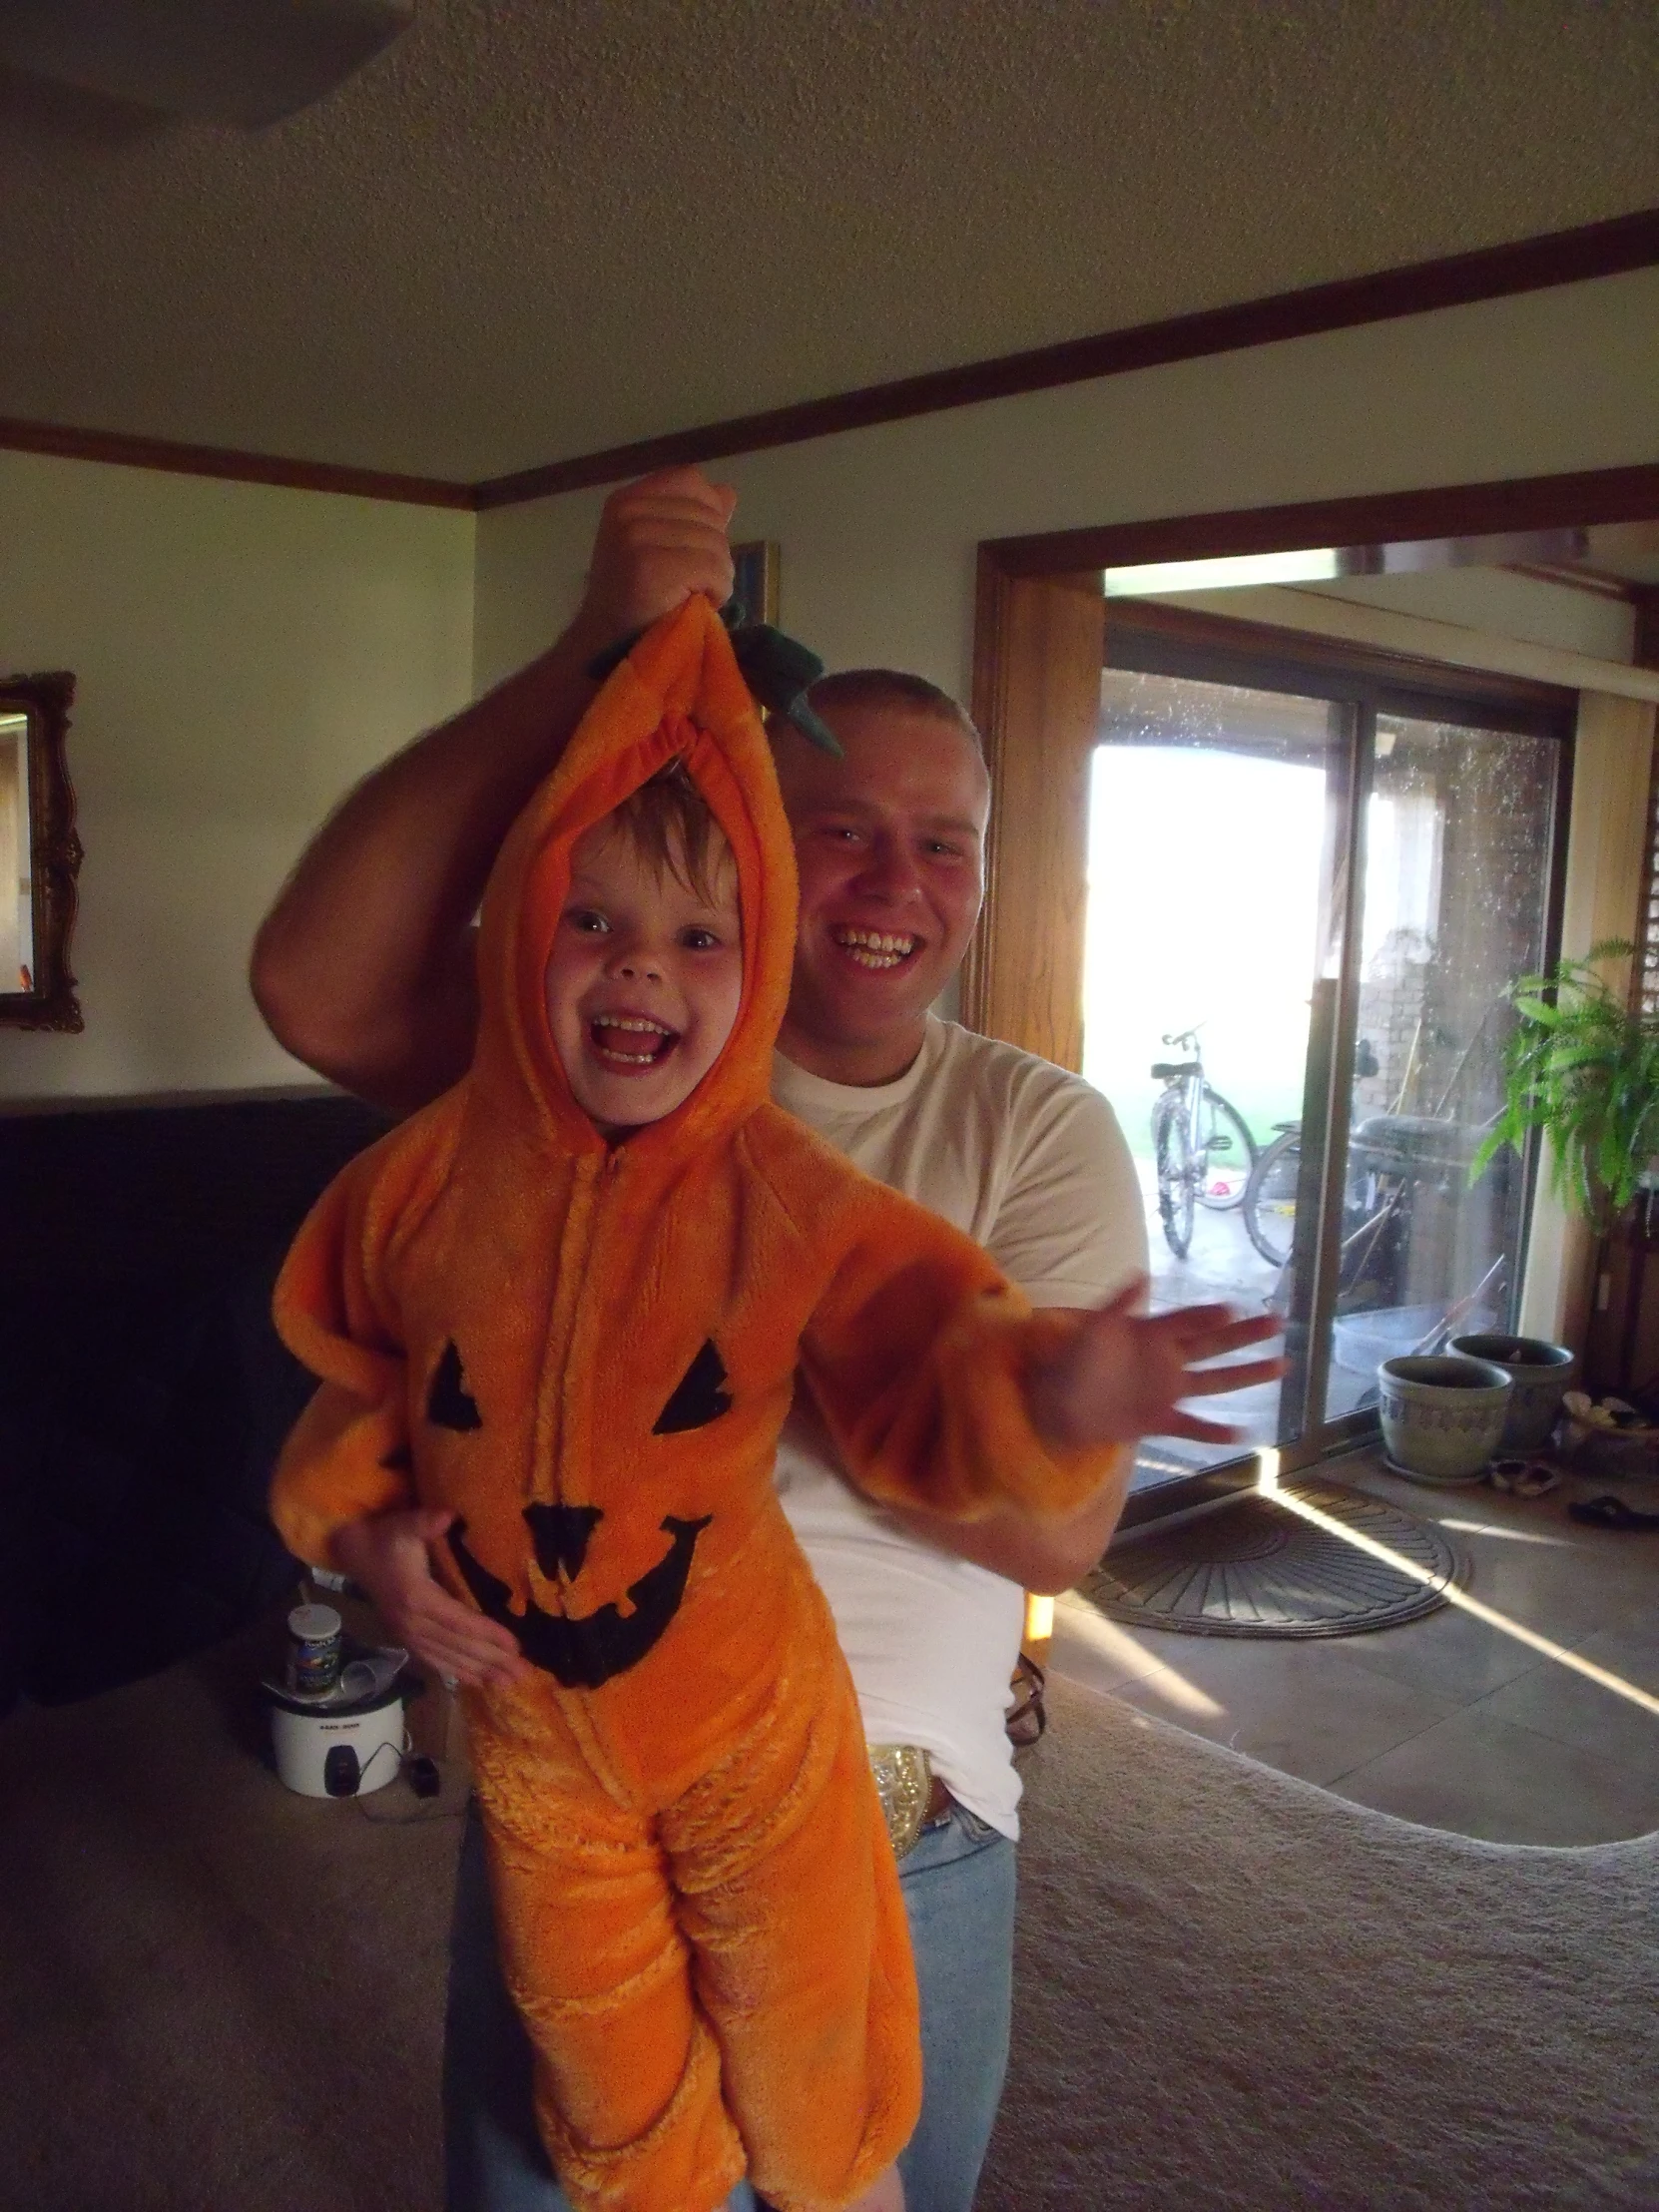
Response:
column 1449, row 1720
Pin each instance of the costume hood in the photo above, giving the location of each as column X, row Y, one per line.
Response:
column 679, row 691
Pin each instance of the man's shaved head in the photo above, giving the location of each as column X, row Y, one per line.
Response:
column 892, row 689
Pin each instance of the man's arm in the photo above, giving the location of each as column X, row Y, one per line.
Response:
column 1047, row 1556
column 363, row 968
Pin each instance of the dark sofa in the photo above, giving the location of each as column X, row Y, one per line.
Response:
column 143, row 1394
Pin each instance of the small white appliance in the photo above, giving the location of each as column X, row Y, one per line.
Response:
column 343, row 1749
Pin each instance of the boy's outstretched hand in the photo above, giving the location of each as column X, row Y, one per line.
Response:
column 1124, row 1374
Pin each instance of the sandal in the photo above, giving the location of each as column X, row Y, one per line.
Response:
column 1026, row 1717
column 1523, row 1478
column 1611, row 1513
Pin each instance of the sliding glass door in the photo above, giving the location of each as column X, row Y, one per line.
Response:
column 1310, row 886
column 1454, row 904
column 1211, row 823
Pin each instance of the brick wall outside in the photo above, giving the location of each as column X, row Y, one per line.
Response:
column 1430, row 1001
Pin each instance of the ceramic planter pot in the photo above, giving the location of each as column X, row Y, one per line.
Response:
column 1540, row 1373
column 1442, row 1414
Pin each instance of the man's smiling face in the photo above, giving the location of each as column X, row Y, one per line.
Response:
column 889, row 842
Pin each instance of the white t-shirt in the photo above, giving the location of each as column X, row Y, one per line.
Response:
column 1030, row 1162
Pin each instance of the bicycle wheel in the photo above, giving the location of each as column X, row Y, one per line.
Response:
column 1270, row 1198
column 1175, row 1175
column 1226, row 1154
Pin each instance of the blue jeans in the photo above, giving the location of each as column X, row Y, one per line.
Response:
column 958, row 1887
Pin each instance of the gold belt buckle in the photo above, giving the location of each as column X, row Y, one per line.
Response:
column 903, row 1782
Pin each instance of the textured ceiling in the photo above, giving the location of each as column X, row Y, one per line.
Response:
column 534, row 227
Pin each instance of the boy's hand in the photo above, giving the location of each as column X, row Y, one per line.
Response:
column 660, row 540
column 388, row 1557
column 1124, row 1374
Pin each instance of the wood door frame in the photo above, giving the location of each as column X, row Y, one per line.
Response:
column 1038, row 647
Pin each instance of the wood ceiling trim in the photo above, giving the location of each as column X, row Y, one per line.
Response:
column 1489, row 509
column 1606, row 249
column 178, row 459
column 1530, row 264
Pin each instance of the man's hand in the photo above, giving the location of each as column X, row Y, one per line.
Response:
column 1124, row 1374
column 364, row 967
column 660, row 540
column 388, row 1557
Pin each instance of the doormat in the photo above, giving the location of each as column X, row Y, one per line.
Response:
column 1258, row 1570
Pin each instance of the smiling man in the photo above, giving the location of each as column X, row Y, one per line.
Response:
column 364, row 969
column 889, row 842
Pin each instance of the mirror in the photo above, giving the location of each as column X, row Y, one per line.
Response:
column 40, row 855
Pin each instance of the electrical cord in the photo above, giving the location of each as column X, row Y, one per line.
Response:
column 425, row 1780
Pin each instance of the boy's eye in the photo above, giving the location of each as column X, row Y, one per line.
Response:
column 585, row 919
column 698, row 940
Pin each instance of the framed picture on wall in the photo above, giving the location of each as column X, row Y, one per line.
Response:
column 755, row 585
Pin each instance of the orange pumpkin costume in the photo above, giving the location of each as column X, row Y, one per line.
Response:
column 587, row 1353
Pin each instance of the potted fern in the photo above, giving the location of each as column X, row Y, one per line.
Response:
column 1583, row 1067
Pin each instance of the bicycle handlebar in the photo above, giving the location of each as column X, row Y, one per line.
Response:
column 1184, row 1037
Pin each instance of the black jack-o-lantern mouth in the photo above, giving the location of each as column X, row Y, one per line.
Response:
column 584, row 1651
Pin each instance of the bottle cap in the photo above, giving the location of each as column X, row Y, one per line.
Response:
column 313, row 1624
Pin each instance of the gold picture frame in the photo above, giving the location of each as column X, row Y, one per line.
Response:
column 754, row 579
column 40, row 809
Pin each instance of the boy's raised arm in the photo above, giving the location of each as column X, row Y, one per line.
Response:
column 942, row 1389
column 364, row 968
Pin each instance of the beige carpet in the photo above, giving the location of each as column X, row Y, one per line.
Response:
column 215, row 1995
column 1234, row 1991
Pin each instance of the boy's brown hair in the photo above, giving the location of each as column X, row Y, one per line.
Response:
column 668, row 825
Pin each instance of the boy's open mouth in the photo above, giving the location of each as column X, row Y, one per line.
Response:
column 874, row 949
column 631, row 1041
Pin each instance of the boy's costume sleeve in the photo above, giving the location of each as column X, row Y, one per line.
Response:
column 348, row 1454
column 919, row 1357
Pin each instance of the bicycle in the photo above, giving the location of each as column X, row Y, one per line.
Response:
column 1202, row 1144
column 1269, row 1205
column 1387, row 1154
column 1391, row 1158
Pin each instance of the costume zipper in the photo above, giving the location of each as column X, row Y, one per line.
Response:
column 596, row 1180
column 575, row 1247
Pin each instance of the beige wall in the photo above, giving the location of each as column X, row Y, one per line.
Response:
column 244, row 652
column 241, row 654
column 879, row 527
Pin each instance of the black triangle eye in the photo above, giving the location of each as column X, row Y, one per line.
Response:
column 698, row 1397
column 449, row 1404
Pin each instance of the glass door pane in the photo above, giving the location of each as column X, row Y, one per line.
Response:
column 1457, row 837
column 1217, row 820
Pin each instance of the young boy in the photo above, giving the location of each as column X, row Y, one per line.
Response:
column 567, row 1303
